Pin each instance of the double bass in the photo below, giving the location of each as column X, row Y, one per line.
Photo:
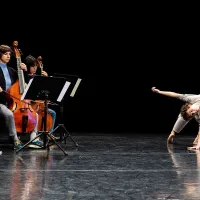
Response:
column 24, row 115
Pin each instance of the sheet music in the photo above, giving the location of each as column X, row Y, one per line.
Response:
column 26, row 89
column 62, row 93
column 75, row 87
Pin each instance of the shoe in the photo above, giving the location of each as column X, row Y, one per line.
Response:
column 55, row 138
column 36, row 144
column 18, row 144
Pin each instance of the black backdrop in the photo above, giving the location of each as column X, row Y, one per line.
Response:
column 119, row 61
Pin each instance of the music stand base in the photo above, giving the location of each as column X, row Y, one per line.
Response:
column 63, row 135
column 46, row 145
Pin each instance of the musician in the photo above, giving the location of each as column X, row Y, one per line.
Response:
column 39, row 64
column 8, row 76
column 35, row 67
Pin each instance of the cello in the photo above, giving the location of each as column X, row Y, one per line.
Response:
column 39, row 107
column 24, row 115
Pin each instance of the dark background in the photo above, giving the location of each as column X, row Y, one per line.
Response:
column 119, row 57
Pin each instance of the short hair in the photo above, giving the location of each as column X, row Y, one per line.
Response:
column 184, row 109
column 4, row 49
column 30, row 61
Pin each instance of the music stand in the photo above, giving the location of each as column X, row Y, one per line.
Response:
column 75, row 82
column 45, row 88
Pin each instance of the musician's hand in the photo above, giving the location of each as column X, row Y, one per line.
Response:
column 40, row 64
column 44, row 73
column 23, row 66
column 1, row 89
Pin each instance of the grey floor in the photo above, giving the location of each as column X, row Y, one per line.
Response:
column 103, row 166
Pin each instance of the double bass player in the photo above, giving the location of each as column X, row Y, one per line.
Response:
column 8, row 77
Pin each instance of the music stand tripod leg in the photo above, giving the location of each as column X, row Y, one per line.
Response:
column 44, row 133
column 46, row 141
column 64, row 133
column 68, row 135
column 57, row 144
column 28, row 143
column 61, row 137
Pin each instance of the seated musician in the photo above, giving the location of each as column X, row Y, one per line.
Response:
column 35, row 69
column 9, row 76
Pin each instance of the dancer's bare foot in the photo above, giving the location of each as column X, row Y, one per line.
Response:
column 171, row 138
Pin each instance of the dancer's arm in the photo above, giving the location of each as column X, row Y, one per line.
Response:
column 166, row 93
column 177, row 128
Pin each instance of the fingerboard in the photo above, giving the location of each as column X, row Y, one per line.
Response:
column 20, row 72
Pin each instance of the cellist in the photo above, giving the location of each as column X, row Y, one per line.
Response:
column 8, row 76
column 35, row 67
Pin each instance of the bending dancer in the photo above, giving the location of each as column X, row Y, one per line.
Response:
column 188, row 111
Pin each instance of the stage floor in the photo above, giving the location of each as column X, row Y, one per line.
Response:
column 103, row 166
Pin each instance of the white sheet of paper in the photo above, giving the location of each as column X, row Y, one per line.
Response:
column 26, row 89
column 66, row 86
column 75, row 87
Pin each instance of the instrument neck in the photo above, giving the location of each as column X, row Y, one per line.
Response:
column 41, row 66
column 20, row 72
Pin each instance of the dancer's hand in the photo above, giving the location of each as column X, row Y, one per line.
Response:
column 171, row 137
column 194, row 148
column 155, row 90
